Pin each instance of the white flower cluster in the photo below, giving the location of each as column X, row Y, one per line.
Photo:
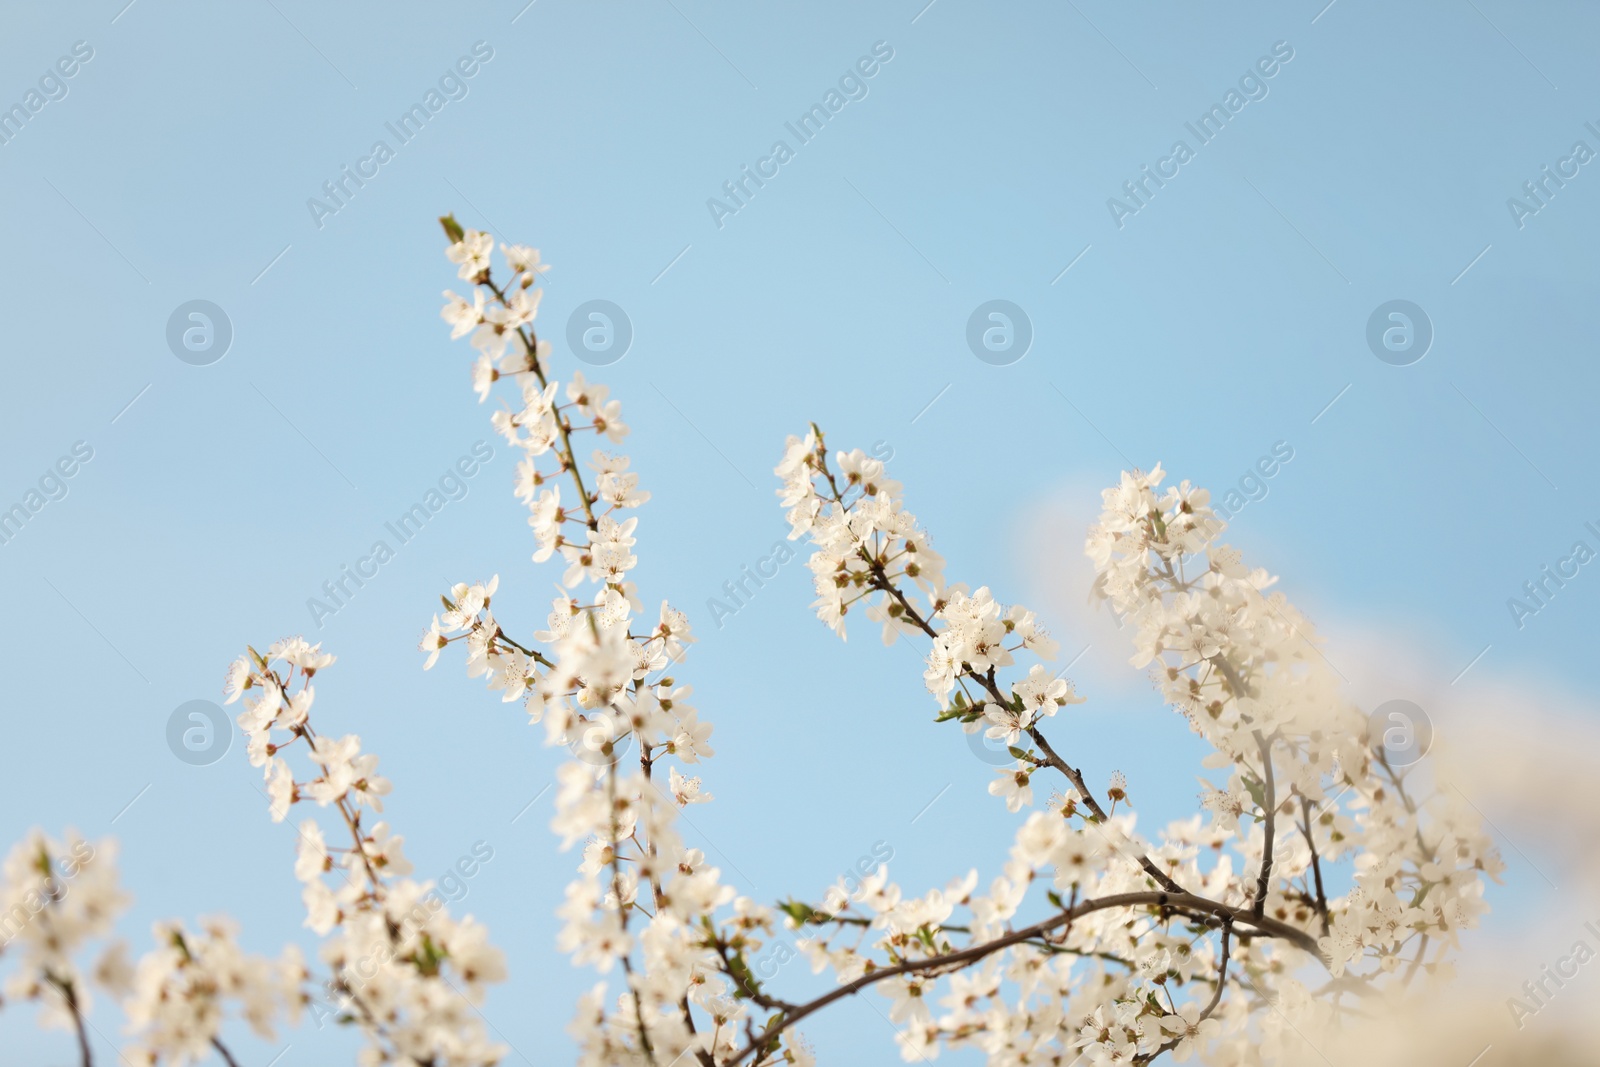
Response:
column 599, row 682
column 179, row 992
column 1312, row 869
column 860, row 528
column 56, row 897
column 868, row 545
column 1128, row 966
column 402, row 969
column 1104, row 977
column 1247, row 670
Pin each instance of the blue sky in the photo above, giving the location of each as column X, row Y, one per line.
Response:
column 1227, row 314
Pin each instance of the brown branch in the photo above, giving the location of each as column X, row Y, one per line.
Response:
column 1222, row 971
column 1180, row 903
column 531, row 653
column 69, row 993
column 1216, row 998
column 1235, row 682
column 530, row 345
column 1316, row 864
column 1269, row 795
column 622, row 914
column 222, row 1050
column 1076, row 777
column 751, row 987
column 880, row 579
column 701, row 1055
column 1398, row 781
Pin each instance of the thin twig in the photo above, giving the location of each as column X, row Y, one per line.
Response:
column 1269, row 795
column 1205, row 1013
column 69, row 993
column 1183, row 903
column 222, row 1050
column 881, row 580
column 1316, row 864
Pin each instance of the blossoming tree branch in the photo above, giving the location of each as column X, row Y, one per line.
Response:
column 1314, row 875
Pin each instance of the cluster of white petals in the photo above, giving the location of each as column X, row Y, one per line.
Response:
column 1137, row 948
column 180, row 990
column 648, row 914
column 1247, row 670
column 1315, row 878
column 1141, row 948
column 401, row 968
column 57, row 897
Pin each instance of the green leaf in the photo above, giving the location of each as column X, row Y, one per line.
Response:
column 452, row 228
column 797, row 910
column 1257, row 791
